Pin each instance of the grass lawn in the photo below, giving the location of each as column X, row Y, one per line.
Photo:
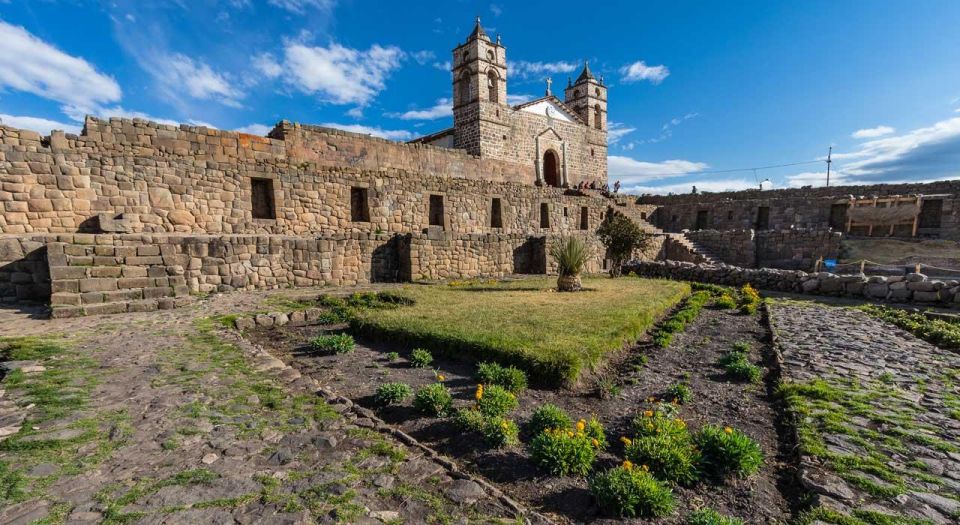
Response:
column 551, row 335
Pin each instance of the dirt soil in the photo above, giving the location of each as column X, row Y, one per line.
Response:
column 767, row 497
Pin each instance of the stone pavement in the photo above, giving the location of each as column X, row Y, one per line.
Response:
column 165, row 417
column 878, row 414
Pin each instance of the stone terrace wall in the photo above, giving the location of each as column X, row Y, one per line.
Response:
column 157, row 178
column 910, row 288
column 785, row 249
column 24, row 274
column 803, row 208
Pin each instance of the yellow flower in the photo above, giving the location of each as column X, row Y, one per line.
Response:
column 581, row 425
column 728, row 430
column 648, row 413
column 504, row 424
column 479, row 394
column 595, row 442
column 645, row 468
column 440, row 377
column 569, row 434
column 626, row 441
column 627, row 464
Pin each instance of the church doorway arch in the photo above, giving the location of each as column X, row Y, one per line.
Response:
column 551, row 168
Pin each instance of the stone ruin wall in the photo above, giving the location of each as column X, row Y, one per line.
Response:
column 801, row 208
column 785, row 249
column 197, row 180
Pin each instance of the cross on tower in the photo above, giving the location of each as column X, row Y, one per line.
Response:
column 549, row 81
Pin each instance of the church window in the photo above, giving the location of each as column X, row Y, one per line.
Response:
column 492, row 90
column 496, row 214
column 436, row 210
column 544, row 215
column 597, row 117
column 597, row 91
column 584, row 218
column 261, row 196
column 591, row 152
column 576, row 93
column 359, row 206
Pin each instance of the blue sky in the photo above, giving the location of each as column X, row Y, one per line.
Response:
column 696, row 89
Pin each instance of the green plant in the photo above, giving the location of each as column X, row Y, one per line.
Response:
column 510, row 377
column 741, row 346
column 563, row 452
column 680, row 392
column 727, row 451
column 660, row 420
column 420, row 358
column 496, row 431
column 621, row 237
column 737, row 366
column 495, row 401
column 571, row 255
column 594, row 430
column 749, row 299
column 392, row 393
column 433, row 400
column 945, row 334
column 629, row 492
column 469, row 419
column 669, row 457
column 548, row 416
column 726, row 302
column 334, row 344
column 393, row 356
column 707, row 516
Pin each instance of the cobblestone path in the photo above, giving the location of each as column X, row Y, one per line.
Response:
column 166, row 418
column 878, row 415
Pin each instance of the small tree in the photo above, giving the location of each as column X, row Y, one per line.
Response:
column 621, row 236
column 571, row 255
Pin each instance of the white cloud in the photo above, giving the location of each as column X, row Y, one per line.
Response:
column 79, row 113
column 617, row 130
column 391, row 134
column 630, row 170
column 32, row 65
column 301, row 6
column 443, row 66
column 356, row 112
column 443, row 108
column 522, row 69
column 422, row 57
column 180, row 73
column 519, row 98
column 497, row 10
column 255, row 129
column 339, row 74
column 640, row 71
column 687, row 187
column 267, row 64
column 40, row 125
column 869, row 133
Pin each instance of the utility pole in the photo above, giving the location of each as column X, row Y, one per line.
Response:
column 829, row 161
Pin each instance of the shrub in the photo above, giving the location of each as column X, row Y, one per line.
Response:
column 433, row 400
column 749, row 299
column 571, row 255
column 669, row 457
column 707, row 516
column 680, row 392
column 662, row 339
column 738, row 367
column 496, row 431
column 393, row 356
column 621, row 236
column 510, row 377
column 563, row 452
column 630, row 492
column 726, row 451
column 420, row 358
column 594, row 430
column 660, row 420
column 495, row 401
column 548, row 416
column 392, row 393
column 744, row 371
column 334, row 344
column 726, row 302
column 741, row 346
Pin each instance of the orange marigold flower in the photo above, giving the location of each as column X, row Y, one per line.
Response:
column 581, row 425
column 728, row 430
column 627, row 464
column 440, row 377
column 648, row 413
column 569, row 434
column 626, row 440
column 595, row 442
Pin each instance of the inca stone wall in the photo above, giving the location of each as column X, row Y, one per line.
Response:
column 800, row 208
column 786, row 249
column 24, row 274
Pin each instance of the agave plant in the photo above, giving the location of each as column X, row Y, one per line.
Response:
column 571, row 254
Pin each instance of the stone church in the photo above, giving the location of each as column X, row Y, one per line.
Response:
column 564, row 142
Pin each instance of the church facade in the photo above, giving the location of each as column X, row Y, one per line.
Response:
column 563, row 142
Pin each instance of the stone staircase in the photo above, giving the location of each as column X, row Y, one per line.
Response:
column 697, row 248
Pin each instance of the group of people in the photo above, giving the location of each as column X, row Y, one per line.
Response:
column 592, row 185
